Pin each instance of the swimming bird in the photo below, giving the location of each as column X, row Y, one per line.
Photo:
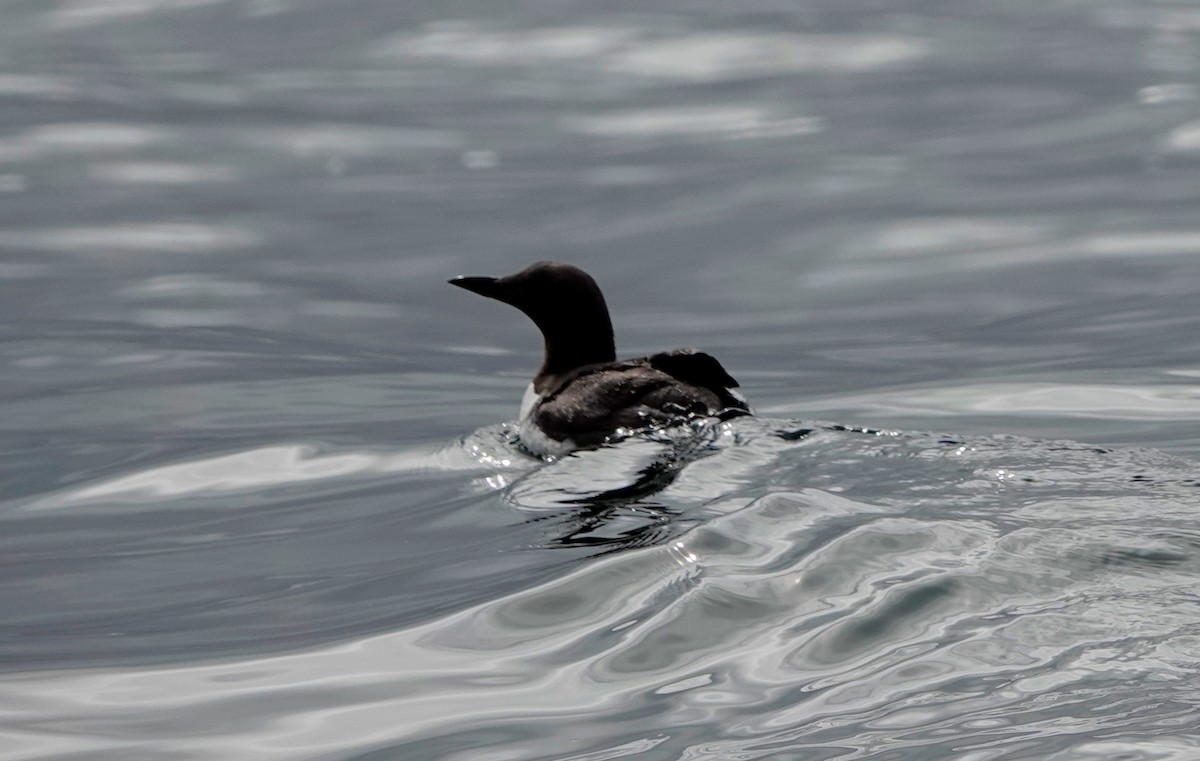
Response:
column 582, row 395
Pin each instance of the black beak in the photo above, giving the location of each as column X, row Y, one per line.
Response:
column 484, row 286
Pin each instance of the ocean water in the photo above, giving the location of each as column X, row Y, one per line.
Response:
column 258, row 492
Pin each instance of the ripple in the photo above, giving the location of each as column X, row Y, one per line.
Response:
column 189, row 285
column 348, row 139
column 1110, row 401
column 1164, row 243
column 696, row 57
column 1185, row 138
column 161, row 173
column 922, row 236
column 141, row 237
column 73, row 14
column 252, row 470
column 931, row 249
column 717, row 57
column 92, row 138
column 1172, row 92
column 38, row 85
column 730, row 122
column 472, row 43
column 96, row 136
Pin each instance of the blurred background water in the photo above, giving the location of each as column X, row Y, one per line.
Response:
column 258, row 499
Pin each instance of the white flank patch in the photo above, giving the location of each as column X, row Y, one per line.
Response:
column 540, row 444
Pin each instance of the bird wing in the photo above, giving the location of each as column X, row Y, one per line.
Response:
column 694, row 367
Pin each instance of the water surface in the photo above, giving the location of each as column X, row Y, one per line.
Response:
column 258, row 496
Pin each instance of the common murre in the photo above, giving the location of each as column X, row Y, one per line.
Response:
column 581, row 395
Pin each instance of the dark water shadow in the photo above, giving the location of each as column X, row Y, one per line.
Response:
column 628, row 516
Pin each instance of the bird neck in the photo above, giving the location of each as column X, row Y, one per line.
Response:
column 572, row 347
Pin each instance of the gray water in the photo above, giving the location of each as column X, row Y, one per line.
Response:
column 259, row 498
